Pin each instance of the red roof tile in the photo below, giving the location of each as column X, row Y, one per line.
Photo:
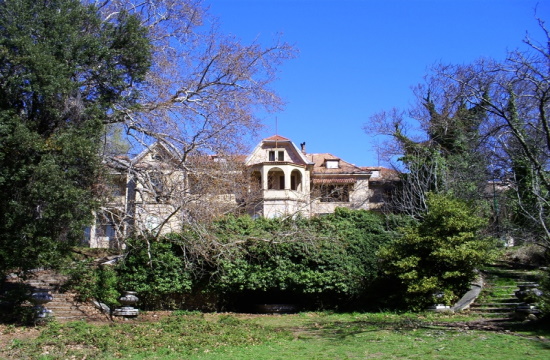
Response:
column 335, row 181
column 345, row 167
column 385, row 173
column 276, row 138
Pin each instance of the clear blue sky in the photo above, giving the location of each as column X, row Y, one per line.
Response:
column 358, row 57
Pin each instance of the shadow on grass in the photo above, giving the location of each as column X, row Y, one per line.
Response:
column 538, row 331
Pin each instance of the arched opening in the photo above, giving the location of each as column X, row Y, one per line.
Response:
column 296, row 180
column 275, row 179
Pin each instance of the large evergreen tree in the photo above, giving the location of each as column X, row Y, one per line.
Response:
column 63, row 74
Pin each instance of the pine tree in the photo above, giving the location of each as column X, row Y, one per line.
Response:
column 63, row 74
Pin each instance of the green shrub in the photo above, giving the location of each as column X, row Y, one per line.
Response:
column 527, row 255
column 435, row 260
column 327, row 261
column 156, row 270
column 12, row 298
column 544, row 300
column 94, row 282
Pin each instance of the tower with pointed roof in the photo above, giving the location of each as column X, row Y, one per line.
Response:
column 280, row 173
column 289, row 181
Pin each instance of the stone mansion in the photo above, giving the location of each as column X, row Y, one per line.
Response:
column 285, row 180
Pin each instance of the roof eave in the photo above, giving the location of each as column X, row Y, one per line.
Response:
column 341, row 174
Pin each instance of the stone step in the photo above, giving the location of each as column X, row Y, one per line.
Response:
column 501, row 294
column 59, row 311
column 493, row 313
column 40, row 284
column 71, row 310
column 514, row 274
column 64, row 306
column 62, row 296
column 61, row 306
column 488, row 309
column 500, row 304
column 506, row 303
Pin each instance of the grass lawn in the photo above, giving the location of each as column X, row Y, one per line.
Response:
column 300, row 336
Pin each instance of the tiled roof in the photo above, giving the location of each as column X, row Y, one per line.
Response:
column 302, row 159
column 345, row 167
column 119, row 162
column 335, row 181
column 236, row 158
column 385, row 173
column 276, row 138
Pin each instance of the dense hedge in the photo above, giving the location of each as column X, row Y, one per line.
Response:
column 348, row 260
column 327, row 261
column 323, row 262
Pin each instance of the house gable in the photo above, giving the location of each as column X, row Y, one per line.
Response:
column 156, row 155
column 277, row 149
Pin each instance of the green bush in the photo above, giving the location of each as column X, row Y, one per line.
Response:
column 327, row 261
column 544, row 300
column 156, row 270
column 435, row 260
column 93, row 282
column 12, row 298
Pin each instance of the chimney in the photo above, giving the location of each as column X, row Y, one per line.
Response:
column 303, row 146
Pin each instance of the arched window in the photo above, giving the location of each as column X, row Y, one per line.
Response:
column 276, row 179
column 296, row 180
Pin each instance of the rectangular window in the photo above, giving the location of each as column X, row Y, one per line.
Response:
column 335, row 193
column 282, row 182
column 107, row 230
column 272, row 156
column 281, row 156
column 117, row 186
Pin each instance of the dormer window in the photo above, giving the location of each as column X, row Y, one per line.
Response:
column 276, row 155
column 332, row 164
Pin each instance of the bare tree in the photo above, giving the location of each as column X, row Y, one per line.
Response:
column 204, row 87
column 442, row 154
column 516, row 94
column 498, row 113
column 201, row 98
